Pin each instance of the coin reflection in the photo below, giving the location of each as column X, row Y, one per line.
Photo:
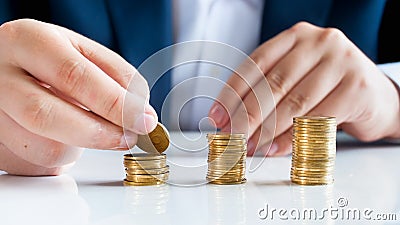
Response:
column 147, row 200
column 226, row 204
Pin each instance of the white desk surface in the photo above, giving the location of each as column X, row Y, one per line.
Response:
column 367, row 176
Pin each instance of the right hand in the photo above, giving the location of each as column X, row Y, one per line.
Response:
column 59, row 89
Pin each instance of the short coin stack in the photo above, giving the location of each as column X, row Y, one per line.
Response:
column 314, row 150
column 226, row 158
column 145, row 169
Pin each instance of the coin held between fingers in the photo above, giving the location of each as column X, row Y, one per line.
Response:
column 155, row 141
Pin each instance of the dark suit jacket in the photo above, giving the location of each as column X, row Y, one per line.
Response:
column 137, row 29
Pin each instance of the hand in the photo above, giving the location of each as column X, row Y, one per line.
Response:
column 59, row 89
column 310, row 71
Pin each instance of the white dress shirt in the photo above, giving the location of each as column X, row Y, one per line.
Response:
column 233, row 22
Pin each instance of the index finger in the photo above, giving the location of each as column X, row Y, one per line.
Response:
column 248, row 75
column 58, row 63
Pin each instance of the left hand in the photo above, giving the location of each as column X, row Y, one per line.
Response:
column 311, row 71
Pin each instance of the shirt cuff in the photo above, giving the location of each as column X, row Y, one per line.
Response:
column 392, row 70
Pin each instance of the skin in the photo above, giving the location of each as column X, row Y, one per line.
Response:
column 311, row 71
column 61, row 92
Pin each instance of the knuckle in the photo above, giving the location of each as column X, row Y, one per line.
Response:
column 74, row 75
column 301, row 26
column 39, row 113
column 330, row 35
column 296, row 103
column 114, row 107
column 88, row 51
column 277, row 83
column 258, row 58
column 254, row 119
column 359, row 84
column 9, row 30
column 129, row 74
column 12, row 30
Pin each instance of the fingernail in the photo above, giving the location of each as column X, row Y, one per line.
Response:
column 217, row 113
column 273, row 149
column 145, row 123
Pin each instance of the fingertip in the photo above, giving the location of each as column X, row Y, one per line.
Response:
column 217, row 114
column 145, row 123
column 273, row 149
column 151, row 111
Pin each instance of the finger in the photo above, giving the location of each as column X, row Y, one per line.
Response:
column 42, row 113
column 249, row 73
column 328, row 107
column 63, row 67
column 307, row 94
column 282, row 145
column 260, row 143
column 282, row 78
column 14, row 165
column 338, row 105
column 312, row 90
column 33, row 148
column 110, row 62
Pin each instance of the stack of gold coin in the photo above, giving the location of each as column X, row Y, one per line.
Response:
column 314, row 150
column 226, row 158
column 145, row 169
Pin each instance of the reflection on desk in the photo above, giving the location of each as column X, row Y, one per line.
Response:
column 366, row 176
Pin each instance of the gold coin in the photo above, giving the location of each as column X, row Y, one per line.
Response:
column 142, row 178
column 226, row 158
column 153, row 171
column 216, row 181
column 219, row 149
column 144, row 156
column 146, row 164
column 315, row 118
column 155, row 141
column 225, row 136
column 130, row 183
column 144, row 169
column 314, row 150
column 216, row 142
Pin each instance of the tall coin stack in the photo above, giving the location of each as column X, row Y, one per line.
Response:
column 314, row 150
column 145, row 169
column 226, row 158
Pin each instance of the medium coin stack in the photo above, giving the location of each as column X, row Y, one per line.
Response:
column 314, row 150
column 145, row 169
column 226, row 158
